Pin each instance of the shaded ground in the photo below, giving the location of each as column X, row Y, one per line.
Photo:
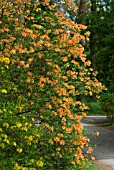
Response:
column 104, row 148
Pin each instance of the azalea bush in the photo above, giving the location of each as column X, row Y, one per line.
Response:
column 43, row 72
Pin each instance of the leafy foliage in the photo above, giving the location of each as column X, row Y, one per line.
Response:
column 95, row 108
column 101, row 25
column 107, row 101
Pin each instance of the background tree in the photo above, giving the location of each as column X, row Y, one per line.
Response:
column 100, row 24
column 105, row 43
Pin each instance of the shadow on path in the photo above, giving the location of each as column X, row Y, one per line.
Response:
column 104, row 143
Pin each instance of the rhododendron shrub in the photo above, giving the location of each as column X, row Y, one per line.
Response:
column 43, row 72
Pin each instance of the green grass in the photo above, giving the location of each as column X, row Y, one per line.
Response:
column 92, row 168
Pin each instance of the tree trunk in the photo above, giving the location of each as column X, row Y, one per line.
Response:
column 82, row 11
column 81, row 20
column 93, row 39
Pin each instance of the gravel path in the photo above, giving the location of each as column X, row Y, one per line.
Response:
column 104, row 149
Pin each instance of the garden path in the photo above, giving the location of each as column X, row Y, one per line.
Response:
column 103, row 144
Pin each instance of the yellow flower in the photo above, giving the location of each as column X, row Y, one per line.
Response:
column 21, row 107
column 19, row 150
column 4, row 91
column 2, row 145
column 18, row 124
column 23, row 117
column 25, row 128
column 36, row 141
column 28, row 142
column 50, row 141
column 17, row 167
column 32, row 119
column 14, row 143
column 38, row 135
column 26, row 124
column 4, row 136
column 6, row 125
column 40, row 164
column 30, row 138
column 7, row 141
column 6, row 60
column 29, row 125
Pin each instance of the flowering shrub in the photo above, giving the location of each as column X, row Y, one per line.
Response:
column 107, row 101
column 43, row 71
